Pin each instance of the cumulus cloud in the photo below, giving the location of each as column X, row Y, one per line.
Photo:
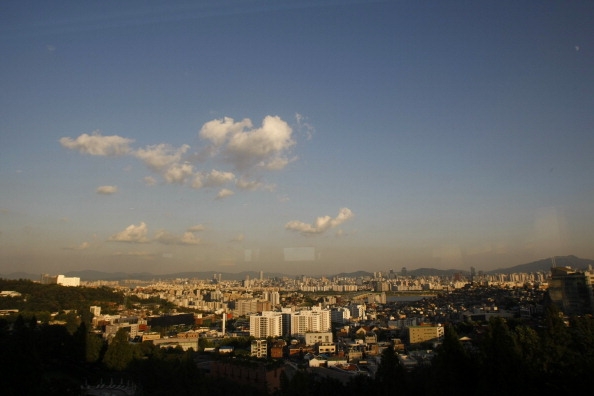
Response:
column 107, row 190
column 167, row 160
column 240, row 146
column 252, row 185
column 218, row 131
column 166, row 238
column 216, row 178
column 224, row 193
column 189, row 238
column 97, row 144
column 132, row 233
column 159, row 157
column 178, row 173
column 246, row 147
column 321, row 224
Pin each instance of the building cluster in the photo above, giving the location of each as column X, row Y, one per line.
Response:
column 62, row 280
column 342, row 331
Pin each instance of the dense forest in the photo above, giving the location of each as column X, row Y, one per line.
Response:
column 510, row 357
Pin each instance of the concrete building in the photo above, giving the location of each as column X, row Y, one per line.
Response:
column 314, row 338
column 357, row 311
column 259, row 348
column 60, row 280
column 174, row 342
column 340, row 315
column 425, row 333
column 314, row 320
column 572, row 291
column 266, row 324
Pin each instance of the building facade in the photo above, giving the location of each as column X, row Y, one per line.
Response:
column 572, row 291
column 266, row 324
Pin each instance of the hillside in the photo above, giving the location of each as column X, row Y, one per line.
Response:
column 543, row 265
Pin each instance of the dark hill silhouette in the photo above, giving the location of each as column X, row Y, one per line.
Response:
column 543, row 265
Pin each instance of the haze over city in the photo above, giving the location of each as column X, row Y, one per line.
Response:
column 294, row 136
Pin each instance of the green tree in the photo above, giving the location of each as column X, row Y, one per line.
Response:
column 390, row 373
column 582, row 339
column 501, row 359
column 120, row 352
column 558, row 356
column 93, row 347
column 20, row 363
column 452, row 364
column 531, row 355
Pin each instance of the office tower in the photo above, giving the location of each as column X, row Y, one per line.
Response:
column 571, row 291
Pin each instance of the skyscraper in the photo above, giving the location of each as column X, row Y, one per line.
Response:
column 571, row 291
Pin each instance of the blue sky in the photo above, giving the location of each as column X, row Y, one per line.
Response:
column 297, row 137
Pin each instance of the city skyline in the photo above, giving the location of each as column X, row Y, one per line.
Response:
column 295, row 137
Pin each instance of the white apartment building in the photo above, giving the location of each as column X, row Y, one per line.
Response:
column 68, row 281
column 314, row 320
column 275, row 298
column 268, row 324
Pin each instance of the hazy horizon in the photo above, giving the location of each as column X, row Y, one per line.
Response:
column 295, row 137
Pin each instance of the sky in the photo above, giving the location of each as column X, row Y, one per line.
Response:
column 296, row 137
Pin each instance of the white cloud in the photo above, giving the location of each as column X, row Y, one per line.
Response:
column 107, row 190
column 217, row 131
column 237, row 145
column 166, row 238
column 132, row 233
column 218, row 178
column 224, row 193
column 253, row 185
column 321, row 224
column 159, row 157
column 277, row 163
column 189, row 238
column 166, row 160
column 246, row 147
column 198, row 181
column 178, row 173
column 97, row 144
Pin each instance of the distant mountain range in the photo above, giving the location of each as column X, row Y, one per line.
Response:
column 543, row 265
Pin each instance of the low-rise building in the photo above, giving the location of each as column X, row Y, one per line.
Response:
column 259, row 348
column 425, row 333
